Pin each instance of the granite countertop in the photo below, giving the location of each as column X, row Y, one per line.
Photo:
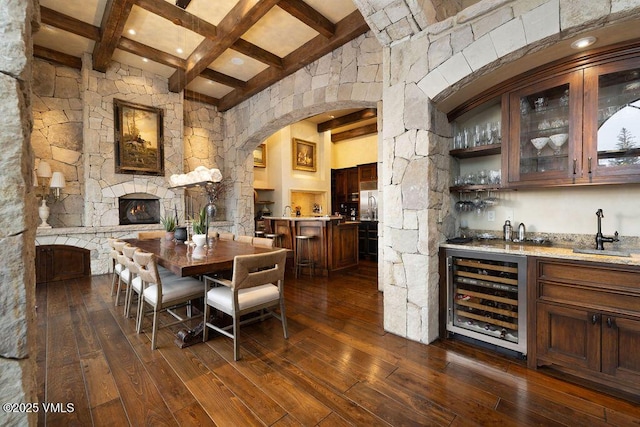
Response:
column 550, row 251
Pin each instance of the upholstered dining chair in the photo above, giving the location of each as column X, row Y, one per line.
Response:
column 222, row 235
column 244, row 239
column 123, row 272
column 162, row 293
column 256, row 285
column 132, row 277
column 115, row 267
column 262, row 242
column 151, row 234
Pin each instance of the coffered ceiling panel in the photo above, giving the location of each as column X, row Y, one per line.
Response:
column 229, row 49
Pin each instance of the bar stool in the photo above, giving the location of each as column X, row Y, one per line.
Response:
column 277, row 239
column 303, row 243
column 259, row 233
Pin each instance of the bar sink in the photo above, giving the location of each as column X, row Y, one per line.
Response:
column 601, row 252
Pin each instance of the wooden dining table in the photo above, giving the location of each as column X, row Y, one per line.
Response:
column 183, row 260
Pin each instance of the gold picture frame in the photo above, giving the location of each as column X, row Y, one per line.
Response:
column 260, row 156
column 305, row 156
column 139, row 139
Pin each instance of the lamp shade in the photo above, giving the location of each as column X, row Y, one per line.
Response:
column 57, row 180
column 44, row 170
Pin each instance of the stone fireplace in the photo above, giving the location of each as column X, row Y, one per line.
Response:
column 138, row 208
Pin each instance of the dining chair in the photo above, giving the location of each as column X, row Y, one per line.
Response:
column 256, row 285
column 151, row 234
column 223, row 235
column 263, row 242
column 115, row 266
column 162, row 293
column 123, row 272
column 244, row 239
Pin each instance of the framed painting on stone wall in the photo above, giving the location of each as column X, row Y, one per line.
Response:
column 304, row 155
column 260, row 156
column 139, row 139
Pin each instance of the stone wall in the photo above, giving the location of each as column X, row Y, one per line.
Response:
column 57, row 136
column 133, row 85
column 203, row 138
column 17, row 227
column 348, row 77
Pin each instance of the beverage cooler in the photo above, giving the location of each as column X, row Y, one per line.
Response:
column 486, row 297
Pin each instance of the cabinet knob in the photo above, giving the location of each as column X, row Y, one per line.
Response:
column 610, row 322
column 594, row 319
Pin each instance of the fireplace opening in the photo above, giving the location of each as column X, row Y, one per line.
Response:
column 139, row 208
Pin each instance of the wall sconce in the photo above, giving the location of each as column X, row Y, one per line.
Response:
column 45, row 178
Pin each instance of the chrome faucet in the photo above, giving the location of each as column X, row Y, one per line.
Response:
column 600, row 239
column 285, row 211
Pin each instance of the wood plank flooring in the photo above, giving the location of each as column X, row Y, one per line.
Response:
column 338, row 367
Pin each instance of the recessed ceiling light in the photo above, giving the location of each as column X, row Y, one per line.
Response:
column 145, row 60
column 132, row 32
column 179, row 50
column 583, row 42
column 237, row 61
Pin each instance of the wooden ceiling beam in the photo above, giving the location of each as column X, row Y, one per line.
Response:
column 257, row 53
column 354, row 133
column 357, row 116
column 67, row 23
column 179, row 17
column 226, row 80
column 352, row 26
column 195, row 96
column 311, row 17
column 242, row 17
column 57, row 57
column 151, row 53
column 115, row 16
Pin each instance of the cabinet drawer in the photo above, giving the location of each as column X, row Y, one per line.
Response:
column 595, row 298
column 586, row 273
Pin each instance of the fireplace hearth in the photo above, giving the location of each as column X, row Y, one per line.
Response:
column 139, row 209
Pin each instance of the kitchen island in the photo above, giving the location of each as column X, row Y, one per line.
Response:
column 334, row 245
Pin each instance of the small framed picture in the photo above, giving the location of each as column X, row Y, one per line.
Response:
column 304, row 155
column 139, row 139
column 260, row 156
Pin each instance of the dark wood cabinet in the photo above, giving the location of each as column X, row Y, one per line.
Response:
column 61, row 262
column 345, row 191
column 368, row 172
column 368, row 239
column 585, row 320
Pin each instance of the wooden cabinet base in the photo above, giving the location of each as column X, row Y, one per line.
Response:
column 61, row 262
column 585, row 321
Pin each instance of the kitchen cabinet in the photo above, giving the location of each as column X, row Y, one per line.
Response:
column 368, row 239
column 61, row 262
column 368, row 172
column 586, row 321
column 577, row 128
column 345, row 190
column 573, row 122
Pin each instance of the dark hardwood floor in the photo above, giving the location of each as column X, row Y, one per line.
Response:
column 338, row 367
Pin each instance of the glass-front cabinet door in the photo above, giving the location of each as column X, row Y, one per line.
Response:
column 545, row 136
column 612, row 122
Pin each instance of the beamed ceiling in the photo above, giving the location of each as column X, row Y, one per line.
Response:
column 218, row 51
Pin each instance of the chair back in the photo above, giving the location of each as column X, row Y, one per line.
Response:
column 263, row 242
column 244, row 239
column 150, row 234
column 113, row 253
column 147, row 267
column 129, row 263
column 259, row 269
column 118, row 247
column 225, row 236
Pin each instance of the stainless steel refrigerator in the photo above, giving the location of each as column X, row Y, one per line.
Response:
column 369, row 203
